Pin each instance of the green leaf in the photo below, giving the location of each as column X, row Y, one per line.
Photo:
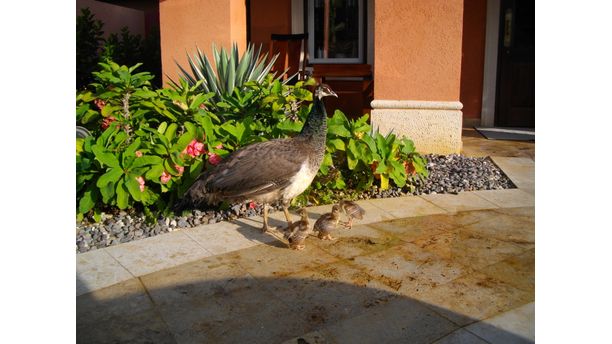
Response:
column 183, row 141
column 190, row 127
column 162, row 127
column 87, row 201
column 146, row 160
column 171, row 131
column 112, row 176
column 133, row 187
column 108, row 192
column 398, row 173
column 326, row 164
column 131, row 149
column 123, row 196
column 105, row 157
column 337, row 144
column 155, row 172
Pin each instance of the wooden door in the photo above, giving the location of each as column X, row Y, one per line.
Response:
column 516, row 65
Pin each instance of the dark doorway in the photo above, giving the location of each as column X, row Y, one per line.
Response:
column 516, row 65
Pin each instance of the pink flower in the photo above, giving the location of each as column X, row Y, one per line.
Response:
column 180, row 169
column 107, row 121
column 194, row 148
column 138, row 153
column 165, row 177
column 219, row 146
column 214, row 158
column 141, row 182
column 100, row 104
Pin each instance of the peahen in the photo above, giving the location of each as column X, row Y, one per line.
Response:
column 271, row 171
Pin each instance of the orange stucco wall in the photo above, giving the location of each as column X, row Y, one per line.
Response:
column 417, row 49
column 185, row 24
column 268, row 17
column 472, row 64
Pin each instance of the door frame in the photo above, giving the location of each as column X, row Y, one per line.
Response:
column 489, row 89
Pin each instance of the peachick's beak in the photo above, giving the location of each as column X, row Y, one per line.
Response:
column 333, row 94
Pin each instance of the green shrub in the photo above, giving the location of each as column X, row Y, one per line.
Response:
column 356, row 158
column 148, row 145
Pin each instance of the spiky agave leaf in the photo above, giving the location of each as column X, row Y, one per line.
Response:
column 231, row 70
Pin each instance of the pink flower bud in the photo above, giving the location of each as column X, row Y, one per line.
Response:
column 138, row 154
column 214, row 159
column 165, row 177
column 141, row 182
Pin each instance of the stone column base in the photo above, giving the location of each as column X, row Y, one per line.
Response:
column 435, row 127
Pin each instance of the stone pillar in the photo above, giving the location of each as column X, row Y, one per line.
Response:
column 185, row 24
column 417, row 72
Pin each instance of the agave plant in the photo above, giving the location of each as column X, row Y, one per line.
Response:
column 231, row 71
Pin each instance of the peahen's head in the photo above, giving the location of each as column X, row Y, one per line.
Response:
column 323, row 90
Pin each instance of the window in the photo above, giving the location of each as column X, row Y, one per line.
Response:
column 337, row 27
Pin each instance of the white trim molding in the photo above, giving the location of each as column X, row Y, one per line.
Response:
column 416, row 104
column 434, row 126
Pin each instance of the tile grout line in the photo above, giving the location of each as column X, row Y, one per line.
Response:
column 157, row 310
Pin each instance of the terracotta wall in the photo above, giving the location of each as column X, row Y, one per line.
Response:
column 268, row 17
column 472, row 62
column 185, row 24
column 417, row 49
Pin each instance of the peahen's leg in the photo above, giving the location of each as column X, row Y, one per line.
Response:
column 266, row 227
column 286, row 211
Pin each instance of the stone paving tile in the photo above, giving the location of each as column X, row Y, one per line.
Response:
column 122, row 313
column 276, row 259
column 520, row 170
column 413, row 228
column 507, row 198
column 246, row 314
column 467, row 248
column 148, row 255
column 214, row 300
column 460, row 202
column 221, row 238
column 399, row 321
column 514, row 326
column 346, row 272
column 527, row 213
column 408, row 206
column 474, row 297
column 460, row 336
column 360, row 239
column 97, row 269
column 410, row 270
column 518, row 271
column 314, row 337
column 318, row 303
column 251, row 228
column 511, row 229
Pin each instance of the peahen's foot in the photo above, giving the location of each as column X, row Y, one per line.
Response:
column 268, row 229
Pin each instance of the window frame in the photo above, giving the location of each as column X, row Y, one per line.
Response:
column 360, row 40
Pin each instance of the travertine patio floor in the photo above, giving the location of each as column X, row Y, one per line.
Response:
column 426, row 269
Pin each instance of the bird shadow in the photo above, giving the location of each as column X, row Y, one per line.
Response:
column 239, row 308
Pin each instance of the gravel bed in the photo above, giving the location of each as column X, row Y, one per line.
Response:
column 447, row 174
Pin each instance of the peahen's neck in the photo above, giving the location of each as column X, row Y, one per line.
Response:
column 315, row 127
